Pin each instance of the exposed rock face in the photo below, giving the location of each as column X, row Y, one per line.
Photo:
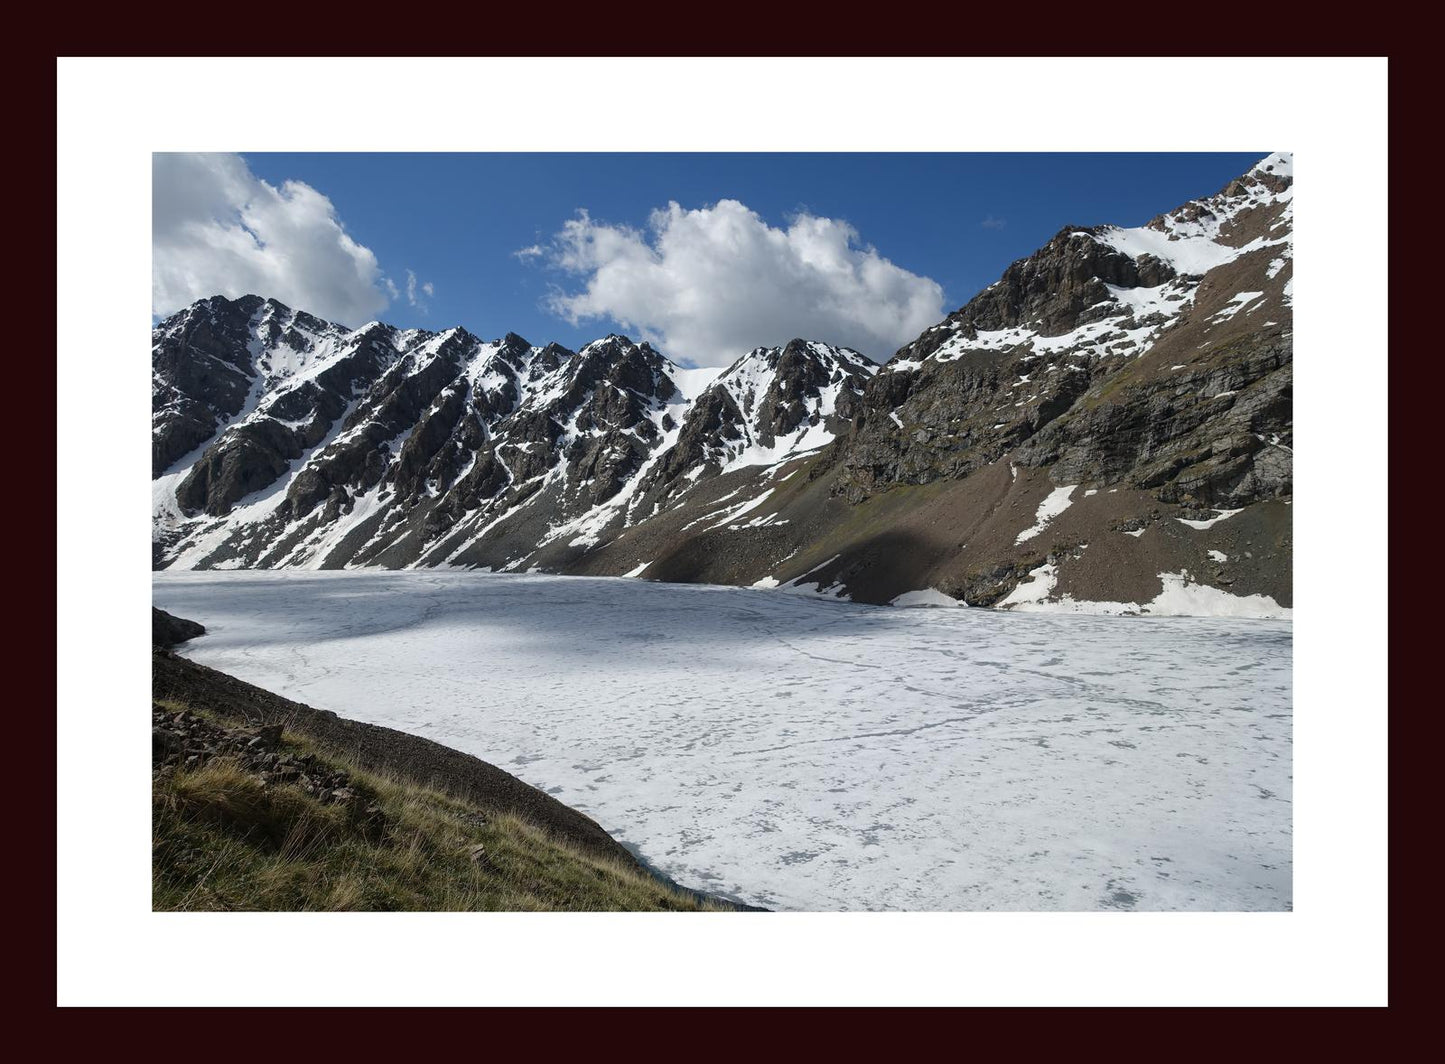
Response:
column 1149, row 368
column 391, row 447
column 770, row 403
column 1108, row 363
column 1055, row 289
column 211, row 362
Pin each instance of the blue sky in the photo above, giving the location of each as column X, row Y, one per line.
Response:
column 948, row 223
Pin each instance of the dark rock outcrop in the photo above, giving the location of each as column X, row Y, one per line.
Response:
column 168, row 630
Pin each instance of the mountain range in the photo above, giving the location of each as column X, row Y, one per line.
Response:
column 1106, row 428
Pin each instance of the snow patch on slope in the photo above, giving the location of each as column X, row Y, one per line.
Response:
column 1180, row 597
column 1220, row 515
column 1055, row 503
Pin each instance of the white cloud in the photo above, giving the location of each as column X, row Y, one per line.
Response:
column 710, row 284
column 993, row 222
column 219, row 229
column 412, row 288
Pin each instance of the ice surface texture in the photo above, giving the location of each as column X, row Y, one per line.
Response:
column 806, row 754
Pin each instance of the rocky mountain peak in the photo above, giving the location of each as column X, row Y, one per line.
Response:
column 772, row 402
column 1051, row 290
column 1253, row 207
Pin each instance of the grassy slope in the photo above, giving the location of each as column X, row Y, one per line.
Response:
column 222, row 841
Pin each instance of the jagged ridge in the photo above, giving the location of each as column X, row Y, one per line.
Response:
column 396, row 447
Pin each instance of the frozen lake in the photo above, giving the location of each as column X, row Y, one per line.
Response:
column 798, row 753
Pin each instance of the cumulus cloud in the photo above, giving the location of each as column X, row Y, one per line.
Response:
column 708, row 285
column 219, row 229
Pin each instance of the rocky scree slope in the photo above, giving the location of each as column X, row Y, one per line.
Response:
column 1108, row 427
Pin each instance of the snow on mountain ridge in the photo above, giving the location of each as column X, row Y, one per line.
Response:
column 352, row 424
column 1194, row 238
column 1109, row 315
column 758, row 384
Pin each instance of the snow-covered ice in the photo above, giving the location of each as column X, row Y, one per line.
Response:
column 802, row 753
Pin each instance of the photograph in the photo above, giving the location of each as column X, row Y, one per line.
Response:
column 722, row 531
